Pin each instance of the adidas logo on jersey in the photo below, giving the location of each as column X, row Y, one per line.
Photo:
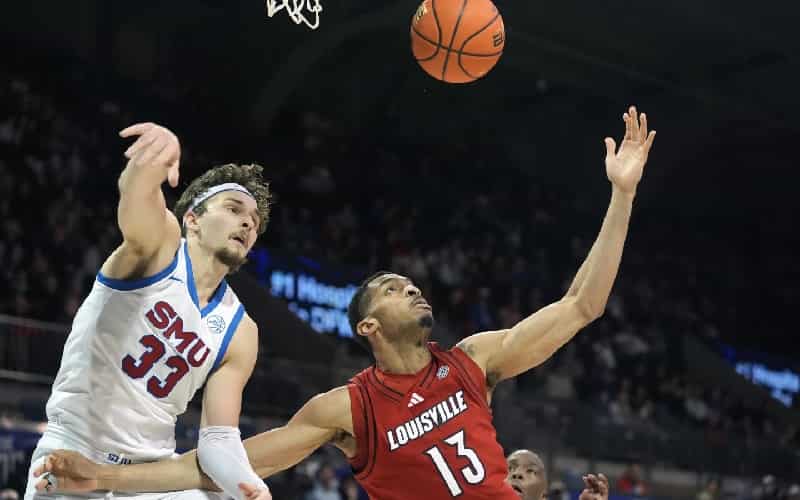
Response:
column 415, row 399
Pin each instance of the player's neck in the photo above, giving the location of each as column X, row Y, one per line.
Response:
column 208, row 272
column 402, row 359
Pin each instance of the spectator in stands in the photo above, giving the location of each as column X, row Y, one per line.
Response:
column 326, row 486
column 349, row 489
column 769, row 488
column 631, row 482
column 709, row 491
column 9, row 494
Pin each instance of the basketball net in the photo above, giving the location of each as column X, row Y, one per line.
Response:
column 300, row 11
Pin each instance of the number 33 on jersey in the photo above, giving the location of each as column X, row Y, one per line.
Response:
column 176, row 339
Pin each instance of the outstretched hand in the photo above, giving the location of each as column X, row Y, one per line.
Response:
column 625, row 167
column 65, row 470
column 156, row 147
column 596, row 487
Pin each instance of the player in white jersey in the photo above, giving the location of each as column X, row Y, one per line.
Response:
column 160, row 322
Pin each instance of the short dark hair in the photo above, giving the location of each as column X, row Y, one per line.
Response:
column 248, row 176
column 358, row 306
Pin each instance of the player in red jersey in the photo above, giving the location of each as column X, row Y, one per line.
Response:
column 417, row 424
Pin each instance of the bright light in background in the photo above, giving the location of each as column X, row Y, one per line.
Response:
column 783, row 385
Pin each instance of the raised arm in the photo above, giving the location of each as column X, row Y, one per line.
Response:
column 322, row 419
column 219, row 448
column 150, row 232
column 506, row 353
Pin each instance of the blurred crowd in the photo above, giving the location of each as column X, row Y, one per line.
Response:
column 486, row 258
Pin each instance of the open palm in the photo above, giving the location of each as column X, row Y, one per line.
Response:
column 625, row 167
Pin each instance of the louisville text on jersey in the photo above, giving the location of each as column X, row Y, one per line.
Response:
column 433, row 417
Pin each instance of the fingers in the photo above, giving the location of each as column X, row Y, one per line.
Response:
column 634, row 122
column 48, row 483
column 649, row 142
column 611, row 147
column 141, row 143
column 642, row 127
column 42, row 467
column 147, row 155
column 597, row 484
column 136, row 129
column 173, row 174
column 164, row 157
column 247, row 489
column 628, row 127
column 252, row 492
column 152, row 141
column 603, row 485
column 158, row 147
column 591, row 482
column 41, row 485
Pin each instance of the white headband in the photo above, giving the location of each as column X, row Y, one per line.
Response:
column 229, row 186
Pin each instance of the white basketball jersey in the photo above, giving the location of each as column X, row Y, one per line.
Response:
column 137, row 353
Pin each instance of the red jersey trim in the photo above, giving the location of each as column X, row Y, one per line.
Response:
column 434, row 366
column 387, row 391
column 364, row 429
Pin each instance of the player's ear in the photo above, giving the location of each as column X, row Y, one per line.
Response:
column 190, row 221
column 367, row 326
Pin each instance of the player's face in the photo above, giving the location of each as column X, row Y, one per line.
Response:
column 229, row 227
column 398, row 304
column 526, row 475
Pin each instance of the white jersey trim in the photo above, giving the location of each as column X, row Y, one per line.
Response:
column 190, row 284
column 223, row 347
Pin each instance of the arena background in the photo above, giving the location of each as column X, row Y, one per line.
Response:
column 487, row 194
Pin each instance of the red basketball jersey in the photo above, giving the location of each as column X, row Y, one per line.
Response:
column 433, row 441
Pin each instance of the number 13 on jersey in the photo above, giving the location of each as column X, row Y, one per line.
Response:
column 474, row 473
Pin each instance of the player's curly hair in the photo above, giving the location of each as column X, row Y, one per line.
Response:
column 358, row 306
column 248, row 176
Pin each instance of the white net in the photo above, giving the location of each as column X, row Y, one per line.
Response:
column 300, row 11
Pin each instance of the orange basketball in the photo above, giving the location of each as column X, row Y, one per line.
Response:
column 457, row 41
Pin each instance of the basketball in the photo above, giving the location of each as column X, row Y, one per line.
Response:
column 457, row 41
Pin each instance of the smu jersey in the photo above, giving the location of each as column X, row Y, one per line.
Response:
column 435, row 441
column 137, row 353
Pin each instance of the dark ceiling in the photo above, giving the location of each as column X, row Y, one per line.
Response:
column 719, row 80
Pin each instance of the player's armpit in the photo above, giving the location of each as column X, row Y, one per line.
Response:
column 132, row 260
column 504, row 354
column 319, row 421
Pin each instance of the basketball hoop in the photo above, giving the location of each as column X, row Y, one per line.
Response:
column 300, row 11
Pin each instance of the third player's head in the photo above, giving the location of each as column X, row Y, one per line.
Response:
column 526, row 474
column 224, row 210
column 389, row 308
